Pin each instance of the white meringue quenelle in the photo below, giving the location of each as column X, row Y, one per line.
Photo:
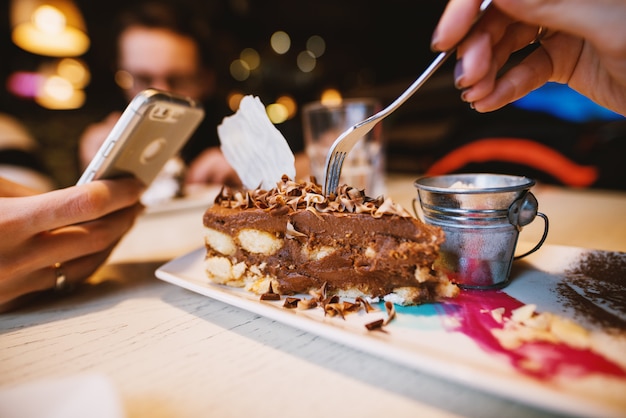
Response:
column 254, row 147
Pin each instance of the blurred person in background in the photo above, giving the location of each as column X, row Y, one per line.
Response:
column 167, row 46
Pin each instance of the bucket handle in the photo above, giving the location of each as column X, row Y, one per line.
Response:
column 415, row 211
column 530, row 198
column 541, row 241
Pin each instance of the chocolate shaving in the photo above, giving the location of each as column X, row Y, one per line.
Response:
column 291, row 302
column 291, row 232
column 333, row 305
column 270, row 295
column 368, row 307
column 341, row 308
column 279, row 211
column 330, row 300
column 334, row 309
column 319, row 294
column 305, row 304
column 349, row 307
column 375, row 325
column 289, row 196
column 380, row 323
column 391, row 312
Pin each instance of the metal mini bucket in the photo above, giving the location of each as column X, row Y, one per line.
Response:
column 481, row 215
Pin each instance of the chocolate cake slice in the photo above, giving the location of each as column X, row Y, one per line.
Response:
column 298, row 240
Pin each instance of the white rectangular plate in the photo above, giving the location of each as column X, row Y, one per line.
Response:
column 437, row 338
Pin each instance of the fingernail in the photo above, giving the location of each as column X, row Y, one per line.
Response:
column 464, row 95
column 472, row 106
column 434, row 41
column 458, row 74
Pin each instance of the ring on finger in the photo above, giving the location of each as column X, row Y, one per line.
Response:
column 541, row 33
column 60, row 280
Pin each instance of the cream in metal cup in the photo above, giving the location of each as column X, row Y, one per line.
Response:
column 364, row 166
column 481, row 216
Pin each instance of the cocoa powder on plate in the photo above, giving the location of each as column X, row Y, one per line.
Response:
column 595, row 287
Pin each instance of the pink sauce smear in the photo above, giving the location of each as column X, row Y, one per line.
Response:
column 472, row 309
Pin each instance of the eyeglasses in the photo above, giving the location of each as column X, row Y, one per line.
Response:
column 138, row 81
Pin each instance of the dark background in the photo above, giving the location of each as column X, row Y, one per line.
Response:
column 372, row 49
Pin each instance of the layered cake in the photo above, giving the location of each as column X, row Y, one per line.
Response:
column 293, row 240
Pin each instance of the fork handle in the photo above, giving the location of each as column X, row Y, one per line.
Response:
column 430, row 70
column 334, row 163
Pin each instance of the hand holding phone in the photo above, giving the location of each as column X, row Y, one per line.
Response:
column 153, row 128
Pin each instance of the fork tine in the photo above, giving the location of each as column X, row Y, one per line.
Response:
column 330, row 179
column 334, row 172
column 328, row 173
column 341, row 156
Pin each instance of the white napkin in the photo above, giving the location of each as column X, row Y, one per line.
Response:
column 252, row 145
column 81, row 396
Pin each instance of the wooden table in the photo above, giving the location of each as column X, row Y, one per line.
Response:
column 173, row 353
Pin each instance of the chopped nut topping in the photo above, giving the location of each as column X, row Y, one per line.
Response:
column 497, row 314
column 526, row 325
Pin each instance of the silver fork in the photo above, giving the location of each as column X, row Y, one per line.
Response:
column 346, row 141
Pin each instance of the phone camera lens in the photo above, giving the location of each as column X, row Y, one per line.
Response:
column 160, row 112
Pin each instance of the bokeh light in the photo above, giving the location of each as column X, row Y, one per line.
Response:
column 49, row 19
column 58, row 93
column 124, row 79
column 56, row 29
column 290, row 104
column 75, row 71
column 234, row 99
column 277, row 113
column 316, row 45
column 306, row 61
column 280, row 42
column 57, row 88
column 251, row 57
column 24, row 84
column 331, row 97
column 239, row 70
